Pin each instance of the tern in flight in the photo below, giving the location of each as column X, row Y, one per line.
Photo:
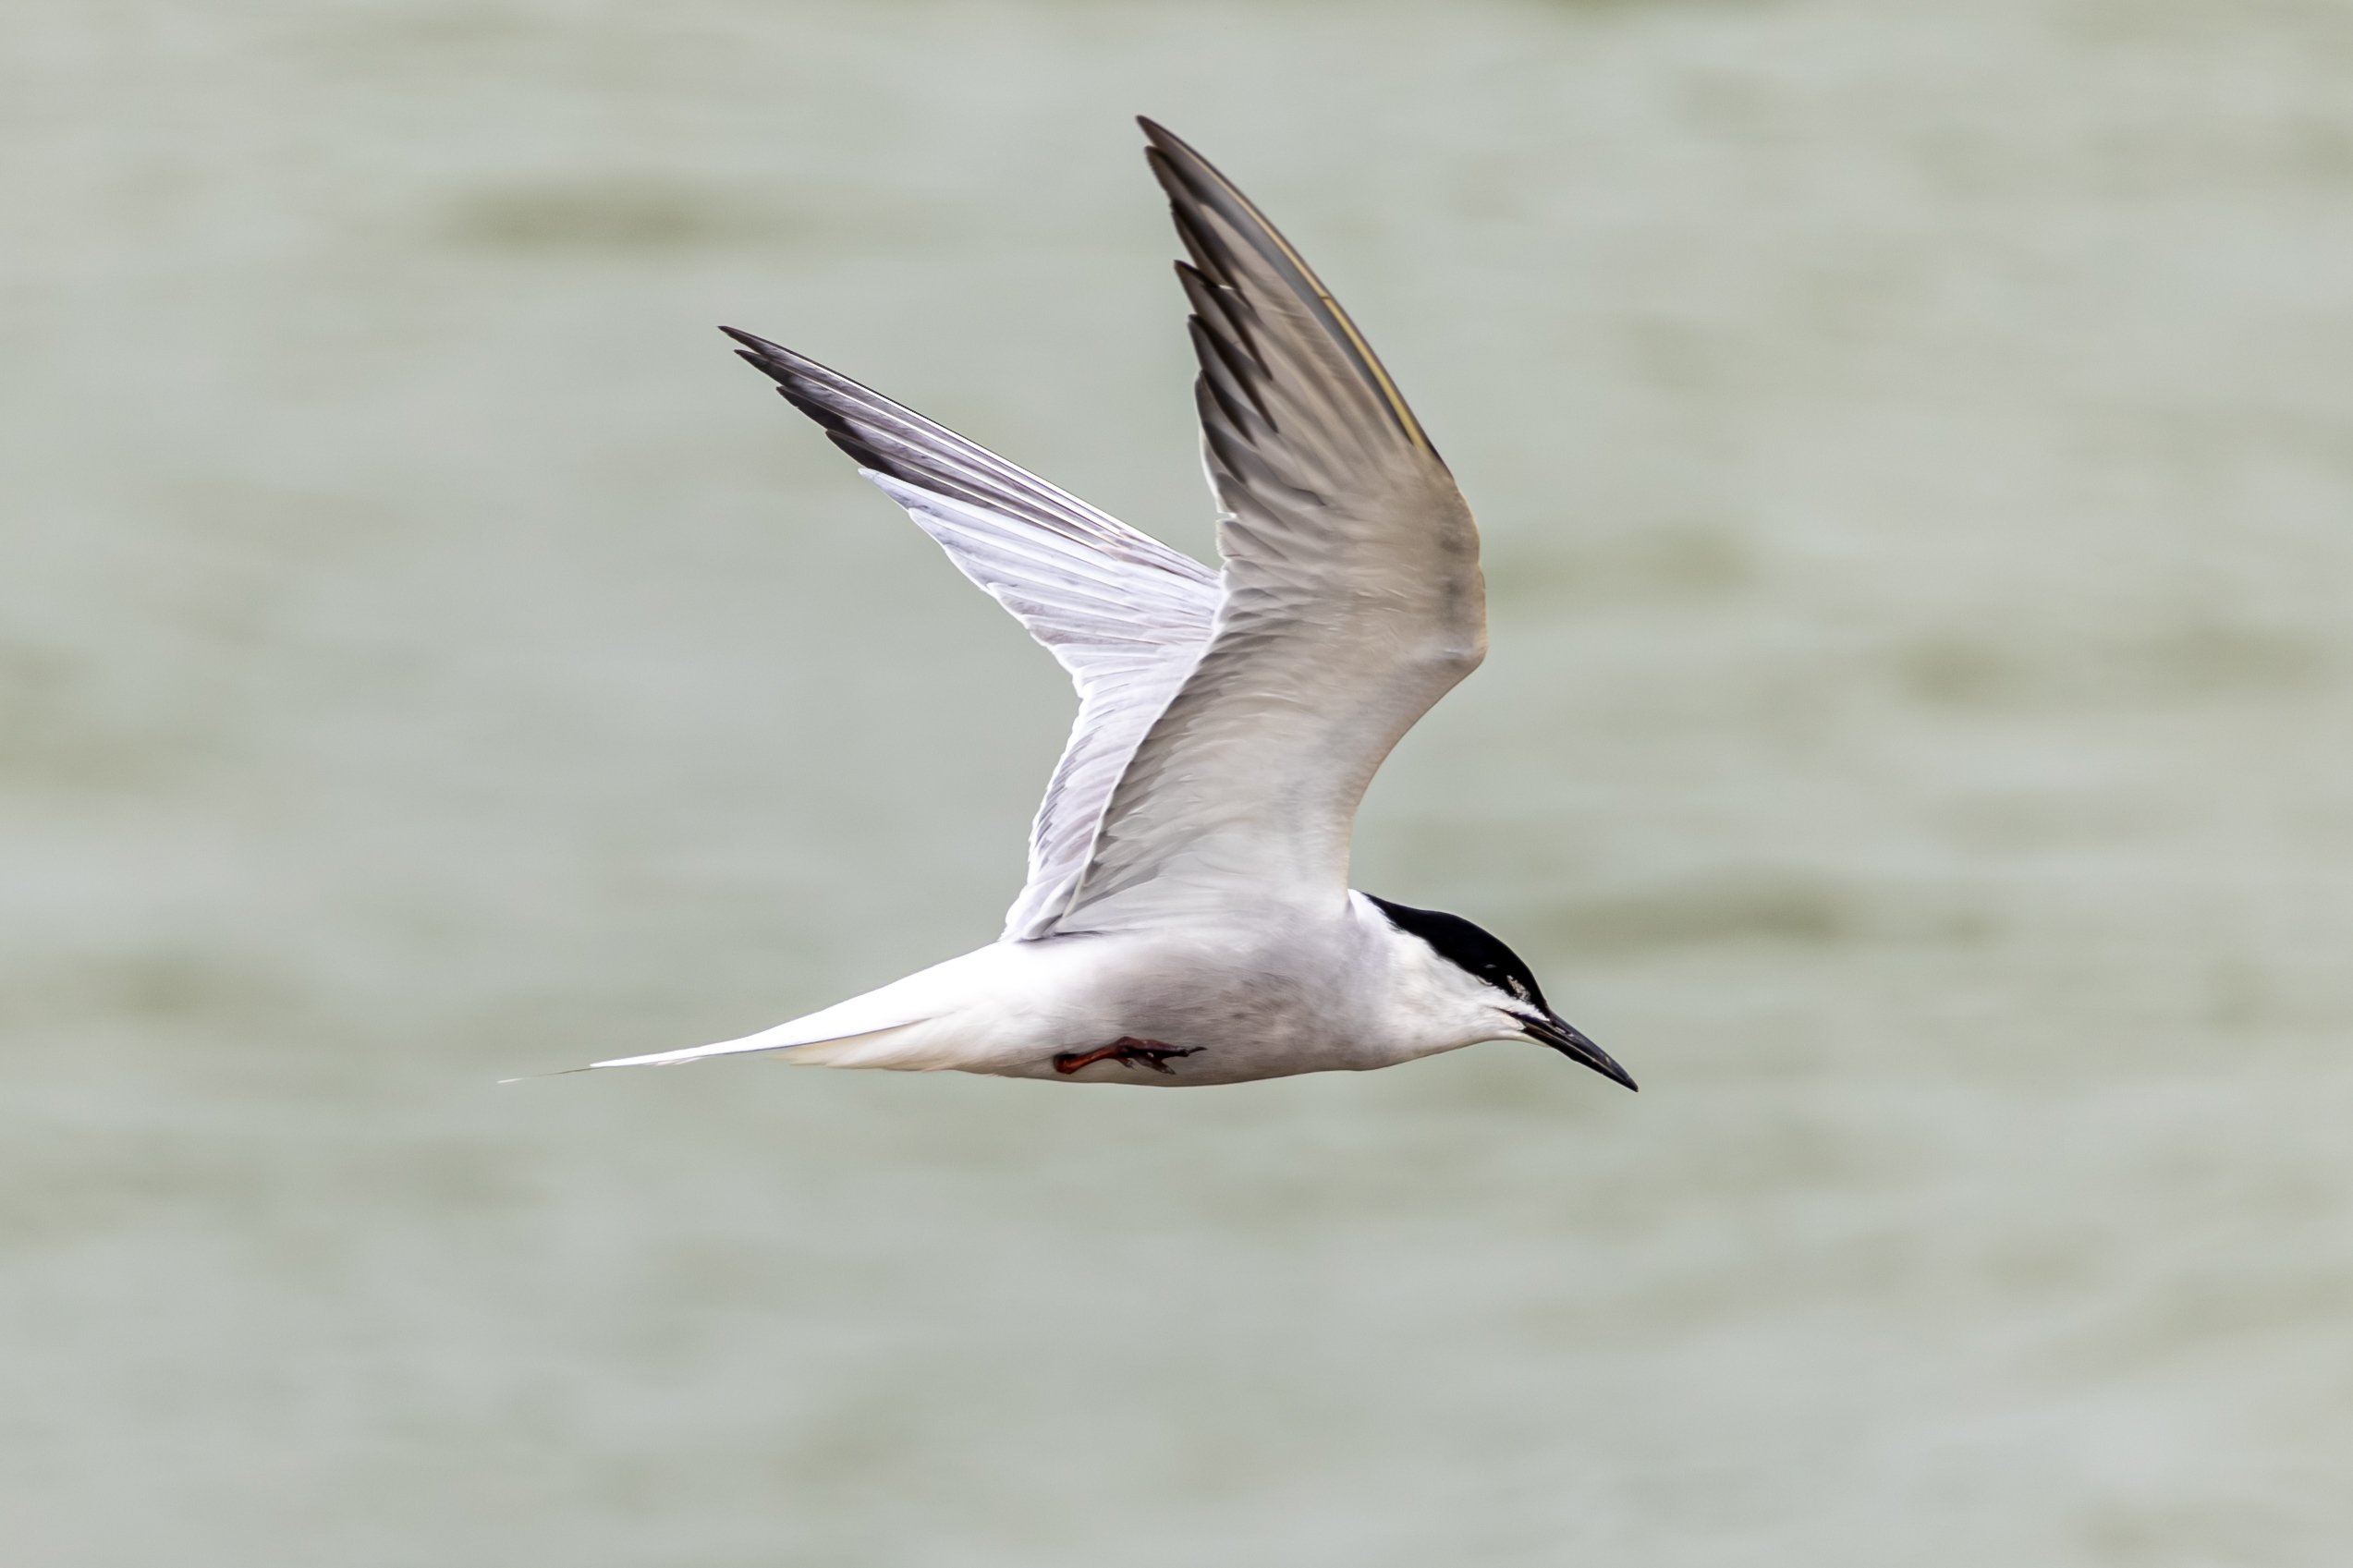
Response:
column 1187, row 918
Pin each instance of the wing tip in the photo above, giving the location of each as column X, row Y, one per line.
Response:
column 1167, row 144
column 1192, row 181
column 753, row 343
column 799, row 381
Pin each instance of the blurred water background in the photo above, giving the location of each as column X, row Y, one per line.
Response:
column 1914, row 446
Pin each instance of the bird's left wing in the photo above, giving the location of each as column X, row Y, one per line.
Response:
column 1353, row 599
column 1127, row 616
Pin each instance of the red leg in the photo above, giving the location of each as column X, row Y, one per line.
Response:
column 1127, row 1051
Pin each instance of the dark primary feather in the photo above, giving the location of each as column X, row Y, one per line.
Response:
column 1197, row 192
column 891, row 439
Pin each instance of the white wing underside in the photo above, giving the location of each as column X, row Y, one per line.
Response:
column 1128, row 627
column 1127, row 616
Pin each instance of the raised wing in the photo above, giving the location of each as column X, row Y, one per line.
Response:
column 1127, row 616
column 1353, row 599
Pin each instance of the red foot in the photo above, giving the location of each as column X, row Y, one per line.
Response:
column 1127, row 1051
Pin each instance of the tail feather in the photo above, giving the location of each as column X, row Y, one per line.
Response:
column 783, row 1037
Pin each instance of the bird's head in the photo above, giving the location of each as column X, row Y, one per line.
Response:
column 1483, row 978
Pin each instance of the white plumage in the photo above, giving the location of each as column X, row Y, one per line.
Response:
column 1187, row 918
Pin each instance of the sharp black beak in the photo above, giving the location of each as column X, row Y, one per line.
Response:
column 1564, row 1038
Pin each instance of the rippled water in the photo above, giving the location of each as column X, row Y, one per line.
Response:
column 1915, row 444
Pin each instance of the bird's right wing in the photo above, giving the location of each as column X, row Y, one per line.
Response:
column 1127, row 616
